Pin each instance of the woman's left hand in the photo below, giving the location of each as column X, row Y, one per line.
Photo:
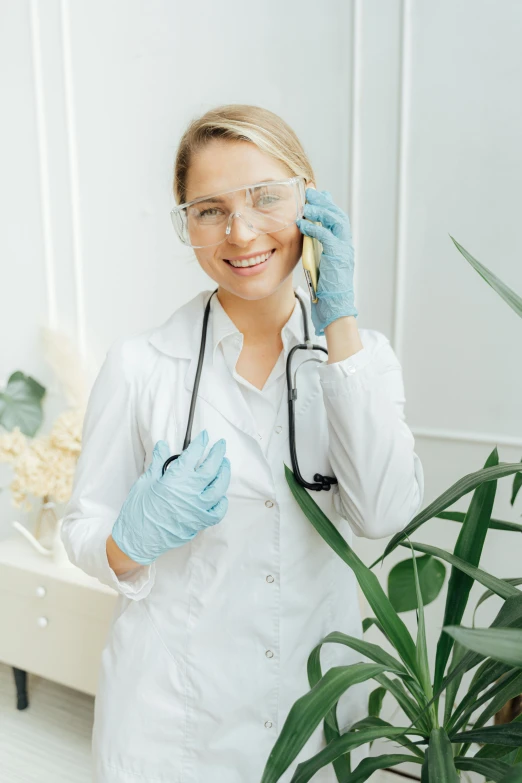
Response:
column 335, row 292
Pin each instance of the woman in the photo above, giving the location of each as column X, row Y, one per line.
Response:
column 224, row 586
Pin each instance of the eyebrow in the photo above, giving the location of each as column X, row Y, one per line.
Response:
column 217, row 200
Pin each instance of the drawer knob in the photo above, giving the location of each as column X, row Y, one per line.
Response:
column 42, row 622
column 40, row 591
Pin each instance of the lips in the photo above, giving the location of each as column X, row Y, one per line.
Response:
column 254, row 255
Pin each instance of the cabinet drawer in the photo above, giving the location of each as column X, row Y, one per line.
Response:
column 58, row 645
column 56, row 593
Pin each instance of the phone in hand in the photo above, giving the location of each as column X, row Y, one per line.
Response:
column 311, row 256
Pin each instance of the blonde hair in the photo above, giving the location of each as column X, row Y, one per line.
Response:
column 240, row 122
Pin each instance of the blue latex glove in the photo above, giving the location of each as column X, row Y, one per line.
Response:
column 164, row 512
column 335, row 282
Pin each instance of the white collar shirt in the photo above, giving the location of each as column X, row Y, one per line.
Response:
column 264, row 403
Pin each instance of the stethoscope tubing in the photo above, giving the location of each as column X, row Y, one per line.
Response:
column 320, row 481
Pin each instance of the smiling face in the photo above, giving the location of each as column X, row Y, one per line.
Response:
column 225, row 164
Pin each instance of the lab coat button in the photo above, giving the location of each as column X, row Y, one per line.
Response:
column 268, row 503
column 270, row 578
column 269, row 654
column 268, row 724
column 278, row 429
column 351, row 370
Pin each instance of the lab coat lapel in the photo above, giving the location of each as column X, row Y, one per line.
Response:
column 219, row 389
column 180, row 337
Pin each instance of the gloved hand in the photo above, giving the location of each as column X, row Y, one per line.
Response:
column 162, row 512
column 335, row 293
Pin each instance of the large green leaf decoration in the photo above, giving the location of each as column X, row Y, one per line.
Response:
column 494, row 524
column 499, row 586
column 468, row 548
column 507, row 734
column 513, row 776
column 492, row 769
column 393, row 626
column 308, row 711
column 441, row 767
column 345, row 743
column 509, row 296
column 508, row 686
column 375, row 701
column 369, row 650
column 501, row 644
column 401, row 582
column 369, row 765
column 448, row 498
column 21, row 404
column 517, row 484
column 511, row 581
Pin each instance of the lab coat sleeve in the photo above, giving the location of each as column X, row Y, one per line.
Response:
column 371, row 448
column 110, row 461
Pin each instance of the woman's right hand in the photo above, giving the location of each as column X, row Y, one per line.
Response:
column 162, row 512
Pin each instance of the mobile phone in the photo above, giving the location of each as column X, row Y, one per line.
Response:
column 311, row 256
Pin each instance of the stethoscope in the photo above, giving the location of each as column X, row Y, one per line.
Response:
column 320, row 481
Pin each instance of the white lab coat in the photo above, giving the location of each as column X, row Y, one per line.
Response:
column 208, row 646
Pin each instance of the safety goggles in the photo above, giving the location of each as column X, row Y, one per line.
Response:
column 265, row 207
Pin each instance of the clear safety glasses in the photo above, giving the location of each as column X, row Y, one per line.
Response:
column 265, row 207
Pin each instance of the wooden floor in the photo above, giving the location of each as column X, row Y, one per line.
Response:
column 50, row 741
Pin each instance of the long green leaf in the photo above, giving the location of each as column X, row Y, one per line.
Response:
column 448, row 498
column 492, row 769
column 501, row 644
column 402, row 739
column 512, row 687
column 409, row 707
column 425, row 772
column 514, row 581
column 422, row 648
column 509, row 296
column 494, row 524
column 517, row 485
column 514, row 775
column 508, row 616
column 369, row 765
column 375, row 701
column 506, row 734
column 372, row 651
column 472, row 701
column 401, row 582
column 307, row 712
column 506, row 687
column 496, row 752
column 343, row 764
column 498, row 586
column 468, row 548
column 451, row 691
column 441, row 767
column 499, row 751
column 394, row 627
column 345, row 743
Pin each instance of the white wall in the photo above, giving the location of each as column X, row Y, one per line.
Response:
column 411, row 115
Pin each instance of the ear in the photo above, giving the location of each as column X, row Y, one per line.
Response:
column 311, row 184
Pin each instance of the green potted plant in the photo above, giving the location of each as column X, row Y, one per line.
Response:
column 437, row 740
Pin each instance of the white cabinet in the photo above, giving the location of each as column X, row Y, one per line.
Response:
column 53, row 619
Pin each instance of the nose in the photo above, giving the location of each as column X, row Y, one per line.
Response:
column 239, row 231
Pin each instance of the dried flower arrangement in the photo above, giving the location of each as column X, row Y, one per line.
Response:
column 44, row 466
